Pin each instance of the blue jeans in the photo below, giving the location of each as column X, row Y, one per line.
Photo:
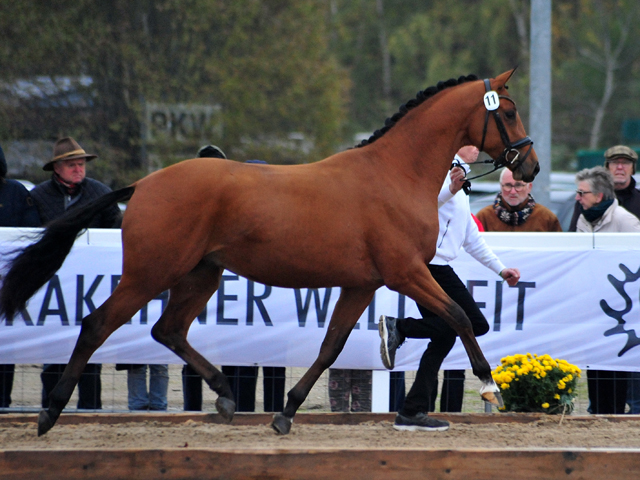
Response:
column 156, row 397
column 633, row 392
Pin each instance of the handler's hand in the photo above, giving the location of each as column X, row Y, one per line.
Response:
column 458, row 177
column 511, row 276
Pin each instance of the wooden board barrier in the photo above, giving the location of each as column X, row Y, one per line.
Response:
column 320, row 463
column 400, row 464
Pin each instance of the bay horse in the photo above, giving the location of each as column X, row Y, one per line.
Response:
column 359, row 219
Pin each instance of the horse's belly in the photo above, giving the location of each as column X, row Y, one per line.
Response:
column 298, row 269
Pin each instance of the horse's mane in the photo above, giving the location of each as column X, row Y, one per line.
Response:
column 420, row 97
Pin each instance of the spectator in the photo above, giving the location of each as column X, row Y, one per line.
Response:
column 191, row 381
column 242, row 380
column 191, row 389
column 16, row 210
column 69, row 188
column 457, row 230
column 139, row 397
column 349, row 390
column 601, row 212
column 515, row 210
column 621, row 161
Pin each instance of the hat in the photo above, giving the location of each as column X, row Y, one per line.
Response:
column 211, row 151
column 621, row 151
column 67, row 149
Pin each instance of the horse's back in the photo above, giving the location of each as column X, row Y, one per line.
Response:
column 249, row 217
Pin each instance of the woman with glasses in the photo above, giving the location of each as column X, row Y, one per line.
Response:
column 515, row 210
column 620, row 160
column 599, row 207
column 601, row 212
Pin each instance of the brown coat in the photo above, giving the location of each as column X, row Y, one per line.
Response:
column 541, row 220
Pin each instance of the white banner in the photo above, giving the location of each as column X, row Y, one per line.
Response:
column 574, row 302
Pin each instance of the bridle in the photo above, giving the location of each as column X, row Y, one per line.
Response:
column 511, row 154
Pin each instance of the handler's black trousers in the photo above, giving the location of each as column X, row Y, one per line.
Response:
column 421, row 397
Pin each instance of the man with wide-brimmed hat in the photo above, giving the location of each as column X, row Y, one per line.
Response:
column 69, row 188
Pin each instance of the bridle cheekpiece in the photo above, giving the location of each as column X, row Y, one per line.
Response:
column 511, row 154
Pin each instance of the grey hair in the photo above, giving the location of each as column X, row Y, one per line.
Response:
column 600, row 180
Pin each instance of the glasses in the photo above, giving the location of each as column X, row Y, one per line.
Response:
column 582, row 192
column 620, row 161
column 508, row 186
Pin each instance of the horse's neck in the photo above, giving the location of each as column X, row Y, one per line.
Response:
column 423, row 143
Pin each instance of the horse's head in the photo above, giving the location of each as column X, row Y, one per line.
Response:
column 496, row 128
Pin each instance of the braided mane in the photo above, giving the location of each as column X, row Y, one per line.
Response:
column 420, row 97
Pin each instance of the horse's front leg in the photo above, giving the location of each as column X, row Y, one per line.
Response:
column 421, row 287
column 349, row 307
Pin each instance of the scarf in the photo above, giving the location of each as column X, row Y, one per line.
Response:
column 72, row 189
column 594, row 213
column 509, row 215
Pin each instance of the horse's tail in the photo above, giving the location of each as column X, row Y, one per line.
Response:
column 37, row 263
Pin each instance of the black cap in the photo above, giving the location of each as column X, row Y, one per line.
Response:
column 211, row 151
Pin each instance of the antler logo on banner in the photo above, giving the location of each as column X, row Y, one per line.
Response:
column 619, row 285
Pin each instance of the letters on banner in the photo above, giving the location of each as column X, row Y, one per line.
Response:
column 582, row 306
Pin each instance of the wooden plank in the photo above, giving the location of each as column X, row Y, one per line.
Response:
column 397, row 464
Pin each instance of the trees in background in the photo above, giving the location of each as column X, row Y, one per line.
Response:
column 266, row 65
column 292, row 80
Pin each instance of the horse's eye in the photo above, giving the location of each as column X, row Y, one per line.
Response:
column 510, row 114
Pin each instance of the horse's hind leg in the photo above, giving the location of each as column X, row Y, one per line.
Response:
column 186, row 300
column 125, row 301
column 349, row 307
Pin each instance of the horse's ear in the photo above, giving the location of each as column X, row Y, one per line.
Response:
column 510, row 72
column 502, row 79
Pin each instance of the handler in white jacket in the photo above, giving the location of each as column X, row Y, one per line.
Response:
column 457, row 230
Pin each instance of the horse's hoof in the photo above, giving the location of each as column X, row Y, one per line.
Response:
column 226, row 408
column 490, row 392
column 281, row 424
column 44, row 422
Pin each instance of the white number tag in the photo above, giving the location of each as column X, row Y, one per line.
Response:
column 491, row 100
